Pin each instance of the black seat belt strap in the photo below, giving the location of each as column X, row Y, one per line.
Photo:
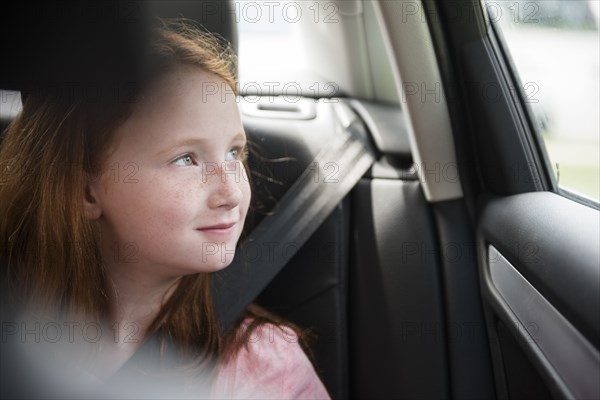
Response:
column 300, row 212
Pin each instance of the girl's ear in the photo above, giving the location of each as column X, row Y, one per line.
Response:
column 90, row 201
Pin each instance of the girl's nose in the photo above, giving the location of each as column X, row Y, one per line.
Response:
column 224, row 186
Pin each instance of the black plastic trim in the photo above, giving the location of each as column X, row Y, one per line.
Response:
column 570, row 356
column 553, row 243
column 470, row 366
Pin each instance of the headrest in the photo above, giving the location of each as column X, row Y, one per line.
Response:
column 78, row 45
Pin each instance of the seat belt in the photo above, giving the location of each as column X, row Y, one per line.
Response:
column 300, row 212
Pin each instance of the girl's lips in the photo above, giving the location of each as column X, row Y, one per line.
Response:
column 220, row 229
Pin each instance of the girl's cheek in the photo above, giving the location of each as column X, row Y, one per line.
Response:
column 191, row 187
column 247, row 195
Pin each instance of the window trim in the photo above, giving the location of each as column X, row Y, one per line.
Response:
column 530, row 131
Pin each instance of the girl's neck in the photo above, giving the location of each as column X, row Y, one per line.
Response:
column 134, row 304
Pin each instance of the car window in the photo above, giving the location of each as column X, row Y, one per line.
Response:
column 554, row 48
column 269, row 48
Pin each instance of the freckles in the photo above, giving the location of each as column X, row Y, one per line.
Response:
column 179, row 195
column 189, row 188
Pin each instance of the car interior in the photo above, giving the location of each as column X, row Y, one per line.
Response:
column 455, row 267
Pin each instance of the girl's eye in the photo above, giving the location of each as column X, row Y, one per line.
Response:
column 234, row 154
column 184, row 161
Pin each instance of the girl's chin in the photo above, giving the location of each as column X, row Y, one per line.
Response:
column 212, row 264
column 218, row 266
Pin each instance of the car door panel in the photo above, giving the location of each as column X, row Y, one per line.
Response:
column 540, row 269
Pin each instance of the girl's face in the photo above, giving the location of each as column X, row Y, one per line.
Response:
column 173, row 195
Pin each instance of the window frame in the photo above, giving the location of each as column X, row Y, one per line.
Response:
column 526, row 114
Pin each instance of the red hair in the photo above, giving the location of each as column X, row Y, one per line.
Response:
column 50, row 151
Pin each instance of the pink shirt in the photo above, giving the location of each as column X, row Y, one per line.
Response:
column 274, row 366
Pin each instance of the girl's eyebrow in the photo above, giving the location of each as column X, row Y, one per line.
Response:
column 189, row 142
column 182, row 143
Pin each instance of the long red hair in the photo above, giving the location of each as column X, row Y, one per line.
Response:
column 57, row 144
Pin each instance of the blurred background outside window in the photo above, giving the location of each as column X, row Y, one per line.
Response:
column 555, row 48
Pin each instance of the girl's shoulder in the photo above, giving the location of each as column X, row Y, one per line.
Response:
column 270, row 365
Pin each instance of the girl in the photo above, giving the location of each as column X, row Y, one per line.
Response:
column 107, row 205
